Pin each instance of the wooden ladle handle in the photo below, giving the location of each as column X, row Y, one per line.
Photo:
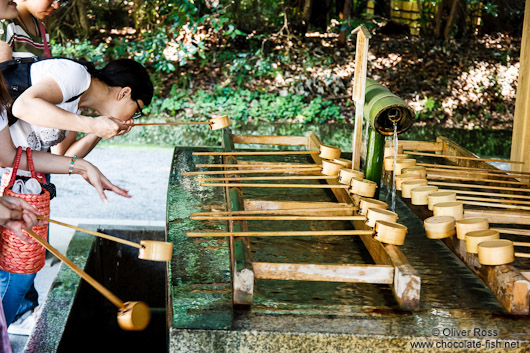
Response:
column 149, row 249
column 132, row 316
column 104, row 291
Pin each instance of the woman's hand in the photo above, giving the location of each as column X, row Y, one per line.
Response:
column 16, row 214
column 95, row 178
column 108, row 127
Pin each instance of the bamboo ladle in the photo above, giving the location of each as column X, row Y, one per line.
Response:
column 215, row 123
column 289, row 177
column 499, row 252
column 132, row 316
column 148, row 249
column 259, row 171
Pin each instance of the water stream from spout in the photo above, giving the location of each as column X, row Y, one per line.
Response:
column 395, row 146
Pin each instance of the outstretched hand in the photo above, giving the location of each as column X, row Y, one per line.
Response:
column 16, row 215
column 95, row 178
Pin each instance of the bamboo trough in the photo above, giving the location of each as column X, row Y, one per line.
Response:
column 482, row 197
column 391, row 266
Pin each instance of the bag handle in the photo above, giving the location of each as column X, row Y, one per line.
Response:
column 17, row 163
column 47, row 51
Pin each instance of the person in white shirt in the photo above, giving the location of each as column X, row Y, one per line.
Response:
column 48, row 111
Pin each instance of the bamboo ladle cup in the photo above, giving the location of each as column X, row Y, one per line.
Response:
column 215, row 123
column 499, row 252
column 148, row 249
column 132, row 316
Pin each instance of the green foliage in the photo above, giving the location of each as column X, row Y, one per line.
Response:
column 245, row 105
column 81, row 49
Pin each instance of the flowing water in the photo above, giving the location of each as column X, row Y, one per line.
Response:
column 395, row 145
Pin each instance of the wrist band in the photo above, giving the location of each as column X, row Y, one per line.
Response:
column 71, row 168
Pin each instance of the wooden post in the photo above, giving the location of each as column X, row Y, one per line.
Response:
column 521, row 122
column 359, row 85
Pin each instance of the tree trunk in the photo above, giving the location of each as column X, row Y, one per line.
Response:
column 306, row 12
column 450, row 20
column 345, row 15
column 439, row 19
column 81, row 7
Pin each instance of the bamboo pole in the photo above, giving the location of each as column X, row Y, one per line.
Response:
column 257, row 153
column 279, row 234
column 471, row 168
column 271, row 165
column 97, row 286
column 498, row 205
column 461, row 157
column 513, row 231
column 271, row 171
column 290, row 177
column 482, row 193
column 302, row 186
column 477, row 186
column 171, row 123
column 521, row 254
column 279, row 211
column 453, row 177
column 279, row 218
column 487, row 199
column 473, row 172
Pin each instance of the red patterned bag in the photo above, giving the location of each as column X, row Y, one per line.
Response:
column 17, row 256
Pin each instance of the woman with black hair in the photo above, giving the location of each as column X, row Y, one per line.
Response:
column 48, row 111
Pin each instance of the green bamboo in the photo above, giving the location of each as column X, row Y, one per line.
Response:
column 375, row 151
column 382, row 109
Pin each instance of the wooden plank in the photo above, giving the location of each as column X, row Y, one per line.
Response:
column 510, row 287
column 330, row 211
column 347, row 209
column 407, row 284
column 270, row 140
column 375, row 274
column 425, row 146
column 521, row 126
column 359, row 88
column 452, row 149
column 242, row 271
